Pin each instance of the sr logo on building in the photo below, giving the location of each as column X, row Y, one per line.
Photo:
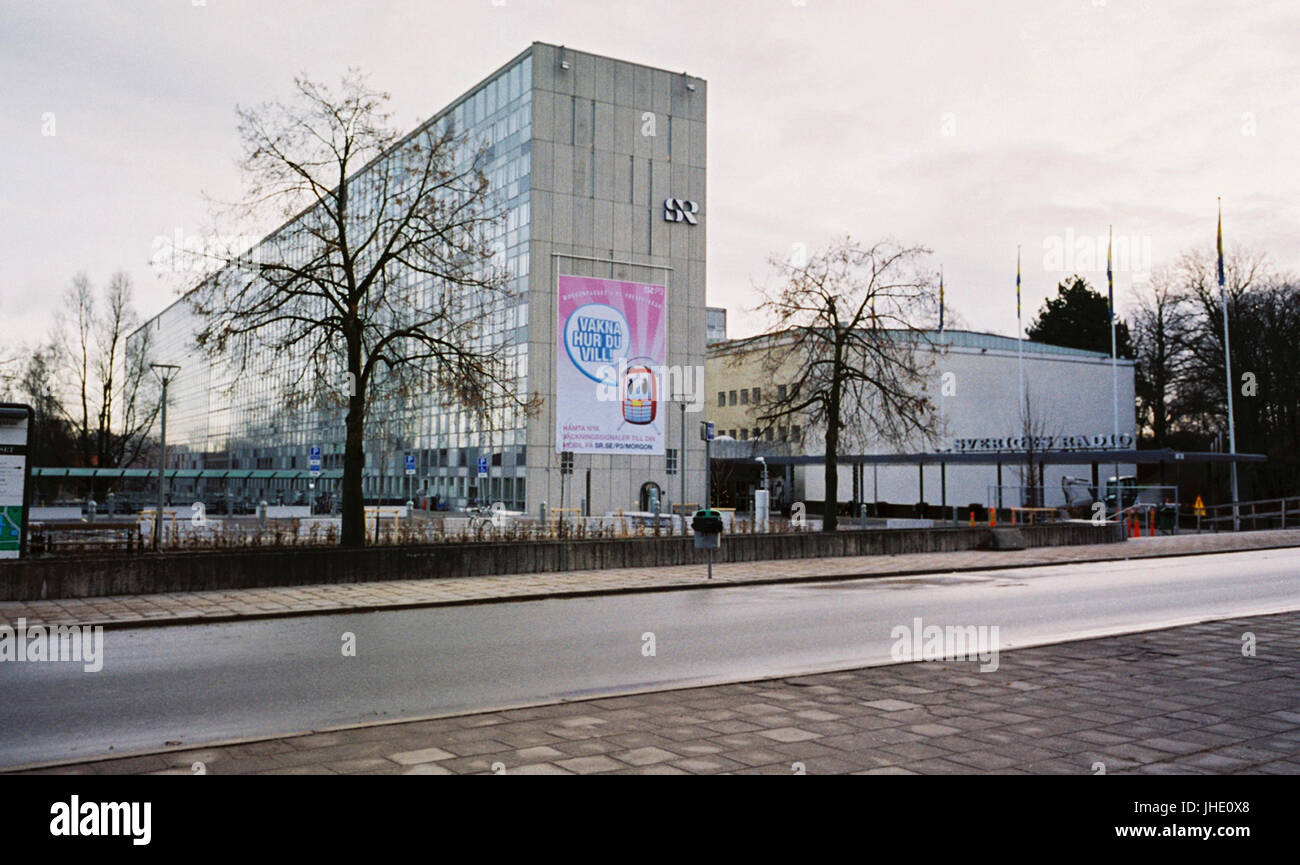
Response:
column 681, row 210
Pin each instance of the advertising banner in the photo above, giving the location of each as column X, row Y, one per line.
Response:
column 611, row 351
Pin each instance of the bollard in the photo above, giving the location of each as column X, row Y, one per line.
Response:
column 91, row 510
column 261, row 514
column 1013, row 516
column 993, row 518
column 410, row 514
column 972, row 518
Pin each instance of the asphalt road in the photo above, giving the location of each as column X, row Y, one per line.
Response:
column 201, row 684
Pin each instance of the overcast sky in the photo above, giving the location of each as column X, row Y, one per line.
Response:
column 966, row 127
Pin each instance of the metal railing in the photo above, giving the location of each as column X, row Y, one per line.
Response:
column 1260, row 513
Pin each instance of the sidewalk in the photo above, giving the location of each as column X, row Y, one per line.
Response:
column 1179, row 701
column 193, row 607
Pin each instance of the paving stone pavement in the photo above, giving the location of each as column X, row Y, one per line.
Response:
column 1186, row 700
column 187, row 607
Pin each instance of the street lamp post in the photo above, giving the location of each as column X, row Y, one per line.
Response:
column 165, row 373
column 681, row 471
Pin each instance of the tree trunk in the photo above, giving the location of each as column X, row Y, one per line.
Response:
column 830, row 509
column 354, row 456
column 354, row 461
column 831, row 506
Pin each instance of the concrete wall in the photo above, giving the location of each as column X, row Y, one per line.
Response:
column 36, row 579
column 611, row 140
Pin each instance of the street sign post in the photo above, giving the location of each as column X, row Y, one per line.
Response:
column 15, row 479
column 707, row 525
column 410, row 484
column 706, row 433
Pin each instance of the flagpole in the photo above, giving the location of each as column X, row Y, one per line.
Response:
column 1114, row 364
column 1020, row 341
column 943, row 466
column 1025, row 426
column 1227, row 368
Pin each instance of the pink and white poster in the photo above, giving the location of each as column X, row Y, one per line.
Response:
column 609, row 363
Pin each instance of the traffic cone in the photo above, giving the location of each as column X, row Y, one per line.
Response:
column 993, row 518
column 972, row 518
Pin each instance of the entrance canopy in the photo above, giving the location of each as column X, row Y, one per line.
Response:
column 988, row 458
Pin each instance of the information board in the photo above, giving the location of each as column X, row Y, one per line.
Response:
column 15, row 477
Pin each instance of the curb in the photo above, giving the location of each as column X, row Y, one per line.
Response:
column 118, row 624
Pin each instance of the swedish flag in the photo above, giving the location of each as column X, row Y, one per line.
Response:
column 941, row 300
column 1110, row 277
column 1220, row 243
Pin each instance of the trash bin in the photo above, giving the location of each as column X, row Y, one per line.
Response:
column 708, row 529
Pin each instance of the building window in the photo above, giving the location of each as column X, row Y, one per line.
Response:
column 780, row 392
column 757, row 394
column 731, row 397
column 781, row 433
column 722, row 397
column 768, row 434
column 744, row 435
column 758, row 433
column 671, row 462
column 794, row 433
column 744, row 397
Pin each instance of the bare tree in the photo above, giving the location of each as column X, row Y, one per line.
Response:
column 99, row 384
column 10, row 373
column 1203, row 395
column 848, row 318
column 377, row 285
column 1161, row 328
column 1036, row 430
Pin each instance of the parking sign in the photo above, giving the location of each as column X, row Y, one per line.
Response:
column 410, row 464
column 313, row 462
column 482, row 467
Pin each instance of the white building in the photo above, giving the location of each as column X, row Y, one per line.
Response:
column 973, row 380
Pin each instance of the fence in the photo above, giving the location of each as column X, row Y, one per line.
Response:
column 1261, row 513
column 44, row 577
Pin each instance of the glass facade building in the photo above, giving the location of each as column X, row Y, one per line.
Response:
column 584, row 153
